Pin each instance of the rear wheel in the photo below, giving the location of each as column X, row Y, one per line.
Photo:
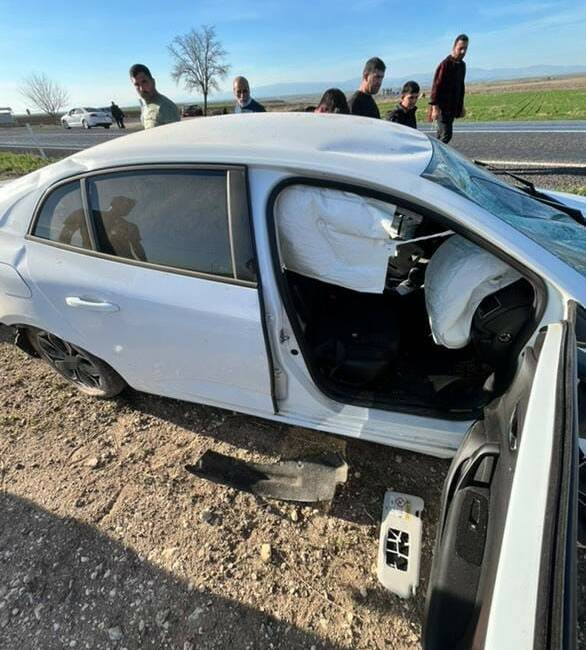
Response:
column 106, row 126
column 86, row 372
column 85, row 124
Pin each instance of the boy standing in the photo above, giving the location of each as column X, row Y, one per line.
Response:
column 404, row 112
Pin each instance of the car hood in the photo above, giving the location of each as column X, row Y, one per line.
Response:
column 571, row 200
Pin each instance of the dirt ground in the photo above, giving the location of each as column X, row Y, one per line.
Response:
column 106, row 541
column 574, row 82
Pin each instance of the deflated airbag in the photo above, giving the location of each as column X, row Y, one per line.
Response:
column 334, row 236
column 458, row 277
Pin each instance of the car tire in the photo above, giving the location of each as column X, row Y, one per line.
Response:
column 106, row 126
column 65, row 125
column 86, row 372
column 85, row 125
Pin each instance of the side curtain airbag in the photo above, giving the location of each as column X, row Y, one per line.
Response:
column 334, row 236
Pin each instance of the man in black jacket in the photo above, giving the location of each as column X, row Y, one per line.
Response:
column 447, row 92
column 361, row 102
column 404, row 112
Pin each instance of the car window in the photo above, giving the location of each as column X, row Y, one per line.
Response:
column 553, row 229
column 62, row 217
column 171, row 218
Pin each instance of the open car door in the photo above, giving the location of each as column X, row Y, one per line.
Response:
column 504, row 568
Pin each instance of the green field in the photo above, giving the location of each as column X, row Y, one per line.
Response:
column 17, row 164
column 509, row 106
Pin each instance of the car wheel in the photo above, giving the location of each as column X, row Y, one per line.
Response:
column 86, row 372
column 85, row 124
column 106, row 126
column 65, row 125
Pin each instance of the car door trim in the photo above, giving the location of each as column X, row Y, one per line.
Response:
column 555, row 611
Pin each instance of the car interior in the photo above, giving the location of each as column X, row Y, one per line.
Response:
column 393, row 310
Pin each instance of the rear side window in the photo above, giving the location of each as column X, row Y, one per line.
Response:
column 62, row 217
column 171, row 218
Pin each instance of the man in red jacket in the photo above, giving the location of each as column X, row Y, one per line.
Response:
column 447, row 91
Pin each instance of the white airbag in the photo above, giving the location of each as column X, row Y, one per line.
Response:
column 335, row 236
column 458, row 277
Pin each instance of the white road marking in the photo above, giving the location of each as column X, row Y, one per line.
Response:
column 537, row 164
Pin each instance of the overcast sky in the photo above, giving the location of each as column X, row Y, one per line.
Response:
column 88, row 46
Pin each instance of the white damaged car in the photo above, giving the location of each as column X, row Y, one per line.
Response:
column 347, row 275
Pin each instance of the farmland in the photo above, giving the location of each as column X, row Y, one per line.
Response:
column 18, row 164
column 511, row 106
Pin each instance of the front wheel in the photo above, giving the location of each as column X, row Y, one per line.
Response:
column 65, row 125
column 86, row 372
column 85, row 124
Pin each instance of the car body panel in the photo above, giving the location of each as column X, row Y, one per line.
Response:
column 364, row 153
column 170, row 334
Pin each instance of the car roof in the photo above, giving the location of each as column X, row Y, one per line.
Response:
column 298, row 140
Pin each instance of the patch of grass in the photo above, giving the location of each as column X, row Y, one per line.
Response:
column 18, row 164
column 579, row 190
column 511, row 106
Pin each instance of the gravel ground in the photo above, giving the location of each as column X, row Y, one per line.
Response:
column 112, row 544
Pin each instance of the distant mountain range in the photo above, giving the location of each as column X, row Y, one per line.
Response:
column 424, row 79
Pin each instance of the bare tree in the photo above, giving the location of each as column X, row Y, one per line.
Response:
column 44, row 93
column 199, row 61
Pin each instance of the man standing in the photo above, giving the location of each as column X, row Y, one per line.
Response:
column 244, row 102
column 117, row 114
column 156, row 109
column 447, row 92
column 361, row 102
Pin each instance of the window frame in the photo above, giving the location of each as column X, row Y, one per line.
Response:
column 237, row 207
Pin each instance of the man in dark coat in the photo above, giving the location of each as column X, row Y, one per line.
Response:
column 362, row 102
column 118, row 115
column 404, row 111
column 244, row 102
column 447, row 92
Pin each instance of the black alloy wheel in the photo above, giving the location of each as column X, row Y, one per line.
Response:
column 86, row 372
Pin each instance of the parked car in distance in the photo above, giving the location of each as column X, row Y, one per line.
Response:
column 86, row 118
column 192, row 111
column 342, row 274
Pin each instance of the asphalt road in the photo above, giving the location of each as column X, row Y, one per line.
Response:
column 544, row 143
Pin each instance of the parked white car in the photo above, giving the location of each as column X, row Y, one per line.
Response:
column 343, row 274
column 86, row 118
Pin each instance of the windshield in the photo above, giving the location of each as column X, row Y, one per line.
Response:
column 556, row 231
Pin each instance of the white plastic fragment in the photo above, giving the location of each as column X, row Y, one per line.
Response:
column 399, row 549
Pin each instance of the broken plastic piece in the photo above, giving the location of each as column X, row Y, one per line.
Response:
column 309, row 480
column 399, row 550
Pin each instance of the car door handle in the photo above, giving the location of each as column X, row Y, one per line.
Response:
column 88, row 303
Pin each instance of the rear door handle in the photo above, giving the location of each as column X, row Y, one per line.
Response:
column 88, row 303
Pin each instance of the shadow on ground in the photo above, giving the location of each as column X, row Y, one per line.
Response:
column 64, row 581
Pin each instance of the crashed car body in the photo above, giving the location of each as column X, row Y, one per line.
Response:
column 342, row 274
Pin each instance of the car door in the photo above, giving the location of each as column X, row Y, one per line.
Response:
column 504, row 567
column 152, row 270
